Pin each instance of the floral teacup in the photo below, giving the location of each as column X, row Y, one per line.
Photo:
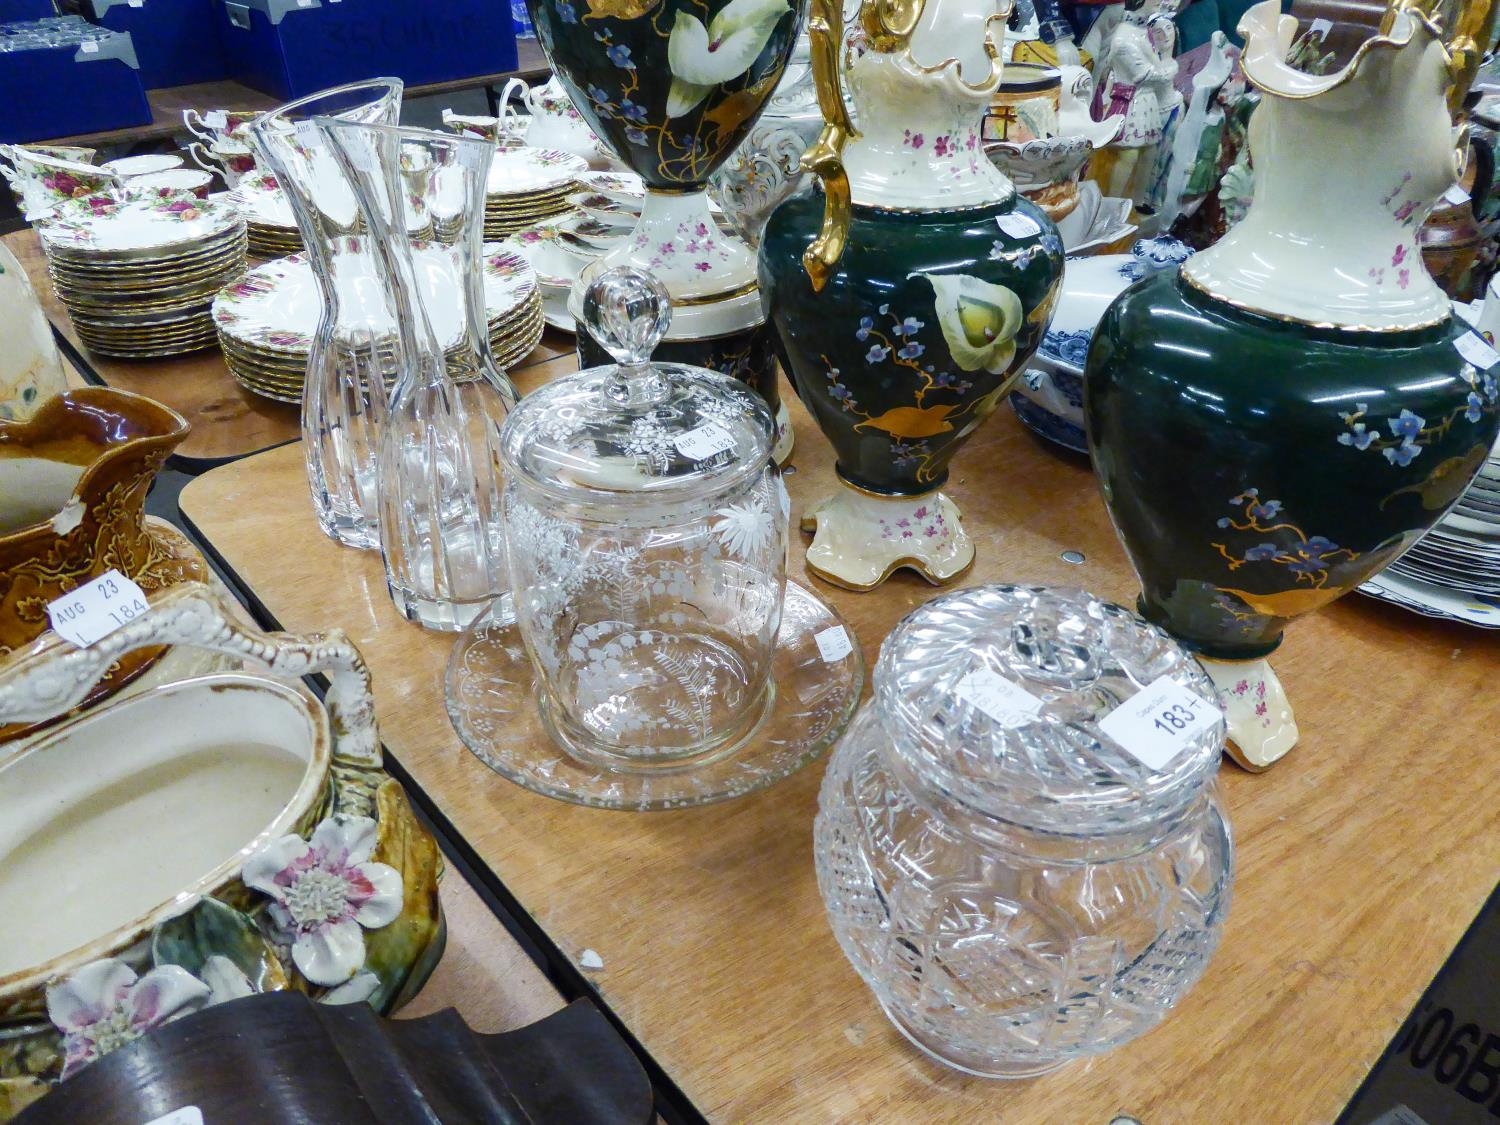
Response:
column 43, row 181
column 191, row 181
column 555, row 123
column 219, row 124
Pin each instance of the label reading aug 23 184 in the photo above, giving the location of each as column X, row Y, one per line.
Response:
column 1007, row 703
column 705, row 441
column 97, row 608
column 833, row 643
column 1156, row 723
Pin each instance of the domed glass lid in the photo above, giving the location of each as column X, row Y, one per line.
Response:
column 1049, row 708
column 666, row 430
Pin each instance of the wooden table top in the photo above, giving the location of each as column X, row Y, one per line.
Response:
column 1362, row 856
column 168, row 103
column 228, row 421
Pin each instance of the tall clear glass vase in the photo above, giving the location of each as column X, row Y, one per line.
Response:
column 421, row 196
column 344, row 398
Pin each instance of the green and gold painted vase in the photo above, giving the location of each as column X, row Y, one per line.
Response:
column 1293, row 409
column 672, row 86
column 908, row 297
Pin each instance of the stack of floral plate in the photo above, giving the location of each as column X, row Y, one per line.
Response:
column 527, row 185
column 269, row 224
column 266, row 321
column 1454, row 570
column 138, row 274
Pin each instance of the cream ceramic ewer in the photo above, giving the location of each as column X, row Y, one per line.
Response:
column 196, row 842
column 554, row 123
column 31, row 371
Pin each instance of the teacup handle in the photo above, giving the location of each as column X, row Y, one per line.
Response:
column 201, row 158
column 56, row 677
column 515, row 85
column 196, row 125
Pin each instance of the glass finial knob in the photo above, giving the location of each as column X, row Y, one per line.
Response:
column 628, row 312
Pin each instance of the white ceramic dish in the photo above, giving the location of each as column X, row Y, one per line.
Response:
column 127, row 166
column 276, row 307
column 523, row 171
column 136, row 225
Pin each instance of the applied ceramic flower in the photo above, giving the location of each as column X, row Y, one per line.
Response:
column 701, row 58
column 979, row 320
column 325, row 892
column 105, row 1005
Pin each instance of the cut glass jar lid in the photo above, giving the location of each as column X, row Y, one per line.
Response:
column 668, row 430
column 1002, row 697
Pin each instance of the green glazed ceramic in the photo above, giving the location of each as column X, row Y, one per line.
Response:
column 671, row 85
column 903, row 354
column 1256, row 470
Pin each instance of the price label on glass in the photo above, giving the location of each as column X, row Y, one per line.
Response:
column 1007, row 703
column 1158, row 722
column 705, row 441
column 96, row 609
column 833, row 643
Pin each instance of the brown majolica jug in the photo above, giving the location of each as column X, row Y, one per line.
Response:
column 73, row 484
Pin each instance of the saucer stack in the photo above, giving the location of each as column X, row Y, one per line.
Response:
column 266, row 321
column 138, row 276
column 269, row 225
column 527, row 185
column 1454, row 570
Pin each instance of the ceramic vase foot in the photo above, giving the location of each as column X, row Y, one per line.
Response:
column 677, row 240
column 1262, row 728
column 861, row 539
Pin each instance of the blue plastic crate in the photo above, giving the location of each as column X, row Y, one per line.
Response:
column 289, row 48
column 51, row 92
column 176, row 41
column 26, row 10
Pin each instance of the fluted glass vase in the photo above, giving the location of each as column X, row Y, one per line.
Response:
column 344, row 398
column 421, row 198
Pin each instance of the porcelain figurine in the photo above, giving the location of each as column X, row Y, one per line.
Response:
column 1135, row 78
column 1195, row 143
column 73, row 484
column 267, row 849
column 31, row 370
column 1293, row 409
column 908, row 297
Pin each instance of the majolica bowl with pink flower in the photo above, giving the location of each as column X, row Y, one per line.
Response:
column 197, row 841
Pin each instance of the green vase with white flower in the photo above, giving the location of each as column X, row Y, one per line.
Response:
column 672, row 86
column 909, row 295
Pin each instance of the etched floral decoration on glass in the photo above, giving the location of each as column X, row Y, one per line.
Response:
column 1019, row 878
column 651, row 652
column 344, row 401
column 421, row 198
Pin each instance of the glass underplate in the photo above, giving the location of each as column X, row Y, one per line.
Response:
column 1431, row 600
column 491, row 698
column 529, row 170
column 277, row 306
column 136, row 228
